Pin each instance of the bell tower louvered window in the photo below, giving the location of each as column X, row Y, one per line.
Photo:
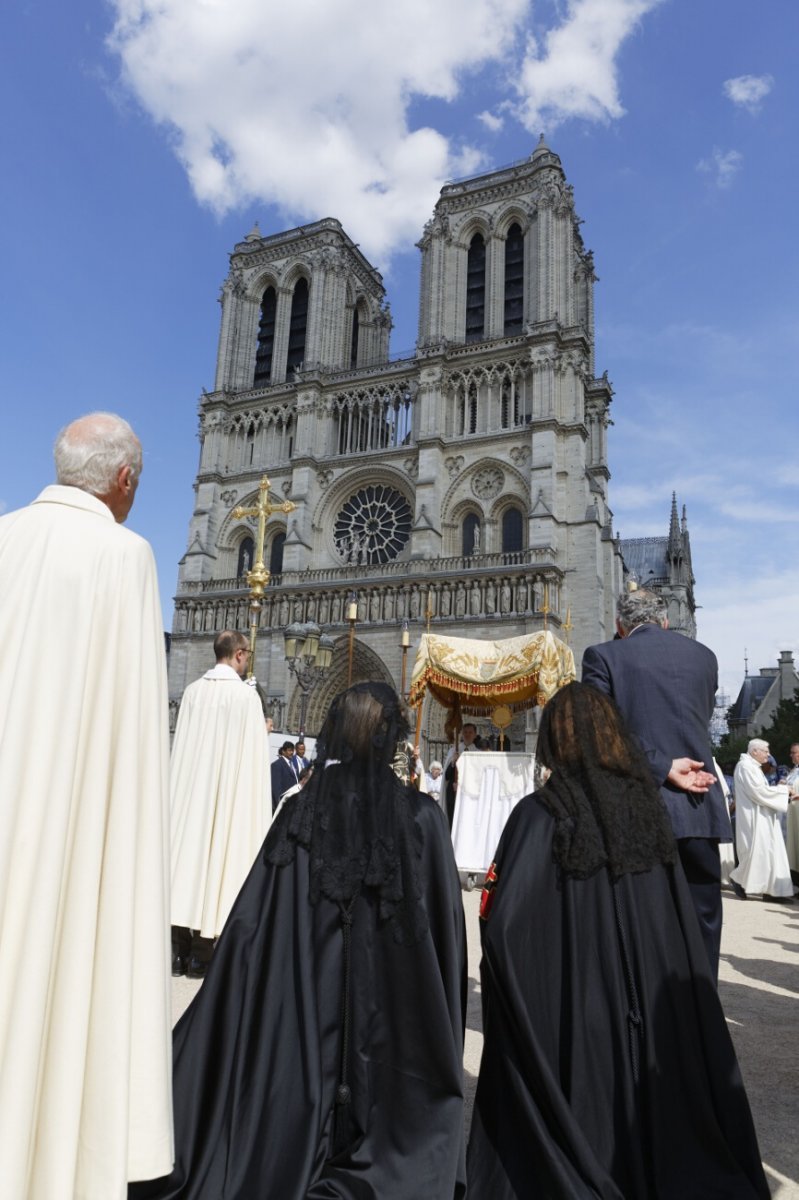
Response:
column 511, row 531
column 276, row 554
column 476, row 290
column 298, row 324
column 266, row 339
column 514, row 280
column 354, row 342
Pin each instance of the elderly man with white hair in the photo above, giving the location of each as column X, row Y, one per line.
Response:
column 85, row 1045
column 762, row 859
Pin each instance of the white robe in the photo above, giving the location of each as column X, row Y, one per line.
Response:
column 220, row 795
column 762, row 858
column 85, row 1030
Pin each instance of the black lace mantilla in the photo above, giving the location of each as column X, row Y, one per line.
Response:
column 607, row 810
column 357, row 821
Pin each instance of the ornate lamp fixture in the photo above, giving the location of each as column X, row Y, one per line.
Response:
column 308, row 653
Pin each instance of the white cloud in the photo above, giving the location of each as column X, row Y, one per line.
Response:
column 748, row 90
column 307, row 106
column 722, row 165
column 752, row 613
column 576, row 75
column 491, row 121
column 759, row 511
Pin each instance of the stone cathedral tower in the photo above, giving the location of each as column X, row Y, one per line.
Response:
column 466, row 485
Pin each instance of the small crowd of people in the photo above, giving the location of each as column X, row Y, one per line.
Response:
column 322, row 1057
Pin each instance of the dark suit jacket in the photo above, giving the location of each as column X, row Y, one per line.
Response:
column 664, row 684
column 282, row 779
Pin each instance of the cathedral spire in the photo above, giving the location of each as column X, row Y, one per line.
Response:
column 541, row 149
column 675, row 541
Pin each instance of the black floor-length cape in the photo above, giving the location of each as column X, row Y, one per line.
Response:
column 257, row 1054
column 607, row 1067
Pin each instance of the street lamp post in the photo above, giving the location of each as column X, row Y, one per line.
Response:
column 308, row 653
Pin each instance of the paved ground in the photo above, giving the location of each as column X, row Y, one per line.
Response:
column 759, row 987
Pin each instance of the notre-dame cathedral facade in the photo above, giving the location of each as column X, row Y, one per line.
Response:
column 464, row 488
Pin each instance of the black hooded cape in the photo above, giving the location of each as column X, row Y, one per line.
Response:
column 257, row 1055
column 607, row 1067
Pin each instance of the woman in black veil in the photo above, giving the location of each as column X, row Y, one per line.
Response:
column 322, row 1057
column 607, row 1068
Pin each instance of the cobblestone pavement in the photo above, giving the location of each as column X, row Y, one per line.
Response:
column 759, row 988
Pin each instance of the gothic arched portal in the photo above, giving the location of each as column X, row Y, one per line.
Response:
column 366, row 665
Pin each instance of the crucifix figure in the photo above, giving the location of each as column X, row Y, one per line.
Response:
column 258, row 577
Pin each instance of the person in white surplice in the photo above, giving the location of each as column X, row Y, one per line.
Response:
column 762, row 859
column 221, row 801
column 85, row 1038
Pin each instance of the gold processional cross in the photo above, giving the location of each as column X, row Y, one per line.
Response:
column 258, row 577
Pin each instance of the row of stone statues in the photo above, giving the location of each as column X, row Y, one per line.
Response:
column 506, row 596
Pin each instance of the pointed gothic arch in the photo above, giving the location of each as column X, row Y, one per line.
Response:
column 366, row 665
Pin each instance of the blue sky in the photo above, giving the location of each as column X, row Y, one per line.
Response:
column 141, row 140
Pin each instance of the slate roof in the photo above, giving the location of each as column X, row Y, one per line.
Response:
column 646, row 558
column 751, row 696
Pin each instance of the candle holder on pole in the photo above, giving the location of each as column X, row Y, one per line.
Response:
column 352, row 617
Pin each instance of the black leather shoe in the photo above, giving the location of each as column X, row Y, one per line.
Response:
column 196, row 968
column 179, row 965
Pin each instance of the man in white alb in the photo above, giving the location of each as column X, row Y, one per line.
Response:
column 221, row 801
column 762, row 858
column 85, row 1037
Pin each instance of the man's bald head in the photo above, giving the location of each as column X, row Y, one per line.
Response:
column 100, row 454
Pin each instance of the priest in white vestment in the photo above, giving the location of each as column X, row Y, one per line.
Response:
column 762, row 859
column 85, row 1028
column 220, row 797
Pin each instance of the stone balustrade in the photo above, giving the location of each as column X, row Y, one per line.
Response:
column 447, row 598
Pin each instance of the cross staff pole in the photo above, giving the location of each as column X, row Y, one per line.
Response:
column 258, row 577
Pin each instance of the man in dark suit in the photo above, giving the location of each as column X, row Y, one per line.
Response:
column 282, row 773
column 298, row 760
column 665, row 686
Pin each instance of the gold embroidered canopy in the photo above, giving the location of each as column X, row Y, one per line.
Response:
column 477, row 677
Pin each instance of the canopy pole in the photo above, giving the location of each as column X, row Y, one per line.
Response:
column 418, row 722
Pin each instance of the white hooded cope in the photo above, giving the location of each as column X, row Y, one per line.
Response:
column 221, row 798
column 85, row 1040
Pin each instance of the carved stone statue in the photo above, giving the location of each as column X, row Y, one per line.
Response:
column 335, row 615
column 474, row 599
column 491, row 597
column 415, row 601
column 505, row 597
column 374, row 606
column 324, row 609
column 388, row 605
column 460, row 601
column 476, row 541
column 445, row 601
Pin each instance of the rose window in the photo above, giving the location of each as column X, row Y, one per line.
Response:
column 373, row 526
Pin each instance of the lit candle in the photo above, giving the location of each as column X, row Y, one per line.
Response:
column 406, row 638
column 352, row 611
